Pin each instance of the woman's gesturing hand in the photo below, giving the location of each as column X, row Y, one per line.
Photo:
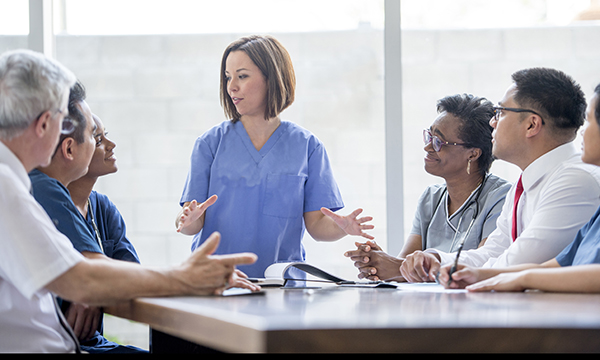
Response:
column 350, row 223
column 193, row 211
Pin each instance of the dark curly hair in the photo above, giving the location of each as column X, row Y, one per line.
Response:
column 475, row 130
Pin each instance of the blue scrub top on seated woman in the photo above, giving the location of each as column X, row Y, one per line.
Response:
column 585, row 248
column 262, row 194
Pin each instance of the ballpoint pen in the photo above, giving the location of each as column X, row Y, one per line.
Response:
column 462, row 242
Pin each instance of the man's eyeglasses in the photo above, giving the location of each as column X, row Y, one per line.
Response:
column 435, row 141
column 67, row 126
column 499, row 109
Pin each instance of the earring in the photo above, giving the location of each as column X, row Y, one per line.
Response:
column 469, row 167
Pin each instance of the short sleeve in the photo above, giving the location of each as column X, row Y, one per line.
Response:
column 321, row 189
column 567, row 255
column 33, row 252
column 417, row 224
column 198, row 178
column 55, row 199
column 584, row 248
column 112, row 228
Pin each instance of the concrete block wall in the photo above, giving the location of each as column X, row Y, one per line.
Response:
column 156, row 94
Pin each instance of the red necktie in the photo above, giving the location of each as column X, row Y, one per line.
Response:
column 518, row 193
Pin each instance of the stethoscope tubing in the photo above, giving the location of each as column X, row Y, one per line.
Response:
column 472, row 200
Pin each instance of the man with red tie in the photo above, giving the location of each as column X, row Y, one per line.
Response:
column 534, row 124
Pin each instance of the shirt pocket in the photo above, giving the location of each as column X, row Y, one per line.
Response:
column 284, row 196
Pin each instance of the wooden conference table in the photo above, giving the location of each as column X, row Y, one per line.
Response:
column 412, row 318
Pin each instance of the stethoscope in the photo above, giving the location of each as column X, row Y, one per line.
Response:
column 472, row 200
column 94, row 225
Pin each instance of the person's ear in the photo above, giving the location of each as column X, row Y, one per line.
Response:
column 474, row 154
column 534, row 125
column 67, row 148
column 42, row 124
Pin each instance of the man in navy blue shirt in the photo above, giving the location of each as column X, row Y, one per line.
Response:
column 71, row 160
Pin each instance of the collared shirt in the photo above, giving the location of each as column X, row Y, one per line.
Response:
column 33, row 254
column 560, row 195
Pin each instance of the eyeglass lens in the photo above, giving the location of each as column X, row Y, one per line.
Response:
column 497, row 113
column 68, row 126
column 434, row 140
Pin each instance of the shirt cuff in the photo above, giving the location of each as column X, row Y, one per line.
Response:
column 445, row 258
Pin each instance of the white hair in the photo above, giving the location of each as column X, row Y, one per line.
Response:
column 30, row 84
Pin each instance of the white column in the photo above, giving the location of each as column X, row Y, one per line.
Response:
column 393, row 128
column 41, row 32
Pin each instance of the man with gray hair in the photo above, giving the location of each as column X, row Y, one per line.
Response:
column 37, row 262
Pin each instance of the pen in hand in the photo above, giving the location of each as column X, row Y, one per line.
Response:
column 453, row 268
column 462, row 242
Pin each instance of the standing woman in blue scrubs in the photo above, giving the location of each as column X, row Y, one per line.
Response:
column 271, row 177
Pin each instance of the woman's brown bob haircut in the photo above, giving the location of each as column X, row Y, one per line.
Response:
column 276, row 66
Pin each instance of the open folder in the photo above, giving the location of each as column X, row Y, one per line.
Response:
column 282, row 274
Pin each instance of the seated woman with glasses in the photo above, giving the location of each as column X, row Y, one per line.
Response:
column 464, row 209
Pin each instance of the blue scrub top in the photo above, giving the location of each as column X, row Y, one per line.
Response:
column 585, row 248
column 56, row 200
column 111, row 228
column 262, row 195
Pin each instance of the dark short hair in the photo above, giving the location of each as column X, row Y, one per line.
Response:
column 554, row 94
column 274, row 62
column 77, row 95
column 475, row 130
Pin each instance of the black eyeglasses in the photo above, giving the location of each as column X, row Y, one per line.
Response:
column 498, row 112
column 435, row 141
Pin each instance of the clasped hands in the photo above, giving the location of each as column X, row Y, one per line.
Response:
column 374, row 264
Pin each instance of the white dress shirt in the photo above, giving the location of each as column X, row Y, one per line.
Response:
column 32, row 254
column 561, row 193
